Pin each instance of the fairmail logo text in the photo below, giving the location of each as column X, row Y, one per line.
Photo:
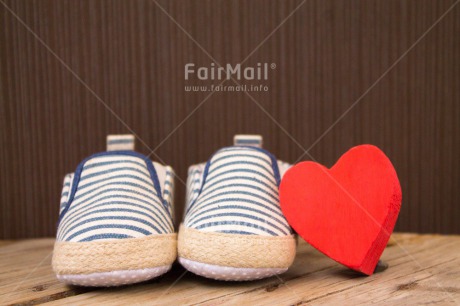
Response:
column 229, row 71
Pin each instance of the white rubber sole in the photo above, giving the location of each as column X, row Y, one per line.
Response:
column 228, row 273
column 113, row 278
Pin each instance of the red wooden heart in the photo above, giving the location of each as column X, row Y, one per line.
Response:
column 347, row 212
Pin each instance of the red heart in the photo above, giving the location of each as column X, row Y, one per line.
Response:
column 347, row 212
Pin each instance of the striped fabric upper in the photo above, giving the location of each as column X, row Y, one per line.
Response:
column 113, row 195
column 236, row 192
column 65, row 191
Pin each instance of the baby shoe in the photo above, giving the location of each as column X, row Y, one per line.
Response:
column 115, row 222
column 233, row 227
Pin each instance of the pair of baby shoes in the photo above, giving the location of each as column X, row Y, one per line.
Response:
column 116, row 222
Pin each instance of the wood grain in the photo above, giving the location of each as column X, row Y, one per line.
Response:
column 422, row 268
column 127, row 58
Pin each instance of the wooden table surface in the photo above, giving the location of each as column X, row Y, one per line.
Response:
column 422, row 269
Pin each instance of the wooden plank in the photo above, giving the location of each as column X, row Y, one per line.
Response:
column 421, row 287
column 335, row 282
column 26, row 274
column 423, row 268
column 5, row 242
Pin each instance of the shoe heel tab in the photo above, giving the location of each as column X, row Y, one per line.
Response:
column 124, row 142
column 248, row 140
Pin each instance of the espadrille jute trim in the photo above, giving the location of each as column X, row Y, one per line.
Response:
column 114, row 255
column 234, row 250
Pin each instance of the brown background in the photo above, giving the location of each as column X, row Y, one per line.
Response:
column 131, row 54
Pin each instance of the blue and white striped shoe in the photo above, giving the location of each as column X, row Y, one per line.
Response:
column 234, row 228
column 115, row 222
